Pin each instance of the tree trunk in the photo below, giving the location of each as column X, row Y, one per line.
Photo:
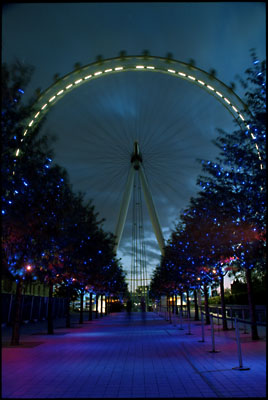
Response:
column 196, row 314
column 251, row 305
column 96, row 312
column 223, row 309
column 206, row 304
column 68, row 319
column 173, row 304
column 90, row 307
column 169, row 307
column 81, row 306
column 50, row 329
column 15, row 339
column 106, row 305
column 176, row 306
column 188, row 303
column 101, row 301
column 181, row 303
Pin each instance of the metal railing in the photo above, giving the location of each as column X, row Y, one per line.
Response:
column 33, row 308
column 172, row 317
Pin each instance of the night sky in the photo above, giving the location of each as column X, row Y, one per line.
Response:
column 173, row 121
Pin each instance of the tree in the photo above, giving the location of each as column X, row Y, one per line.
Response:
column 239, row 173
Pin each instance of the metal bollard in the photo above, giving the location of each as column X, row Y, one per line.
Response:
column 181, row 328
column 202, row 327
column 31, row 311
column 174, row 319
column 212, row 336
column 10, row 308
column 189, row 325
column 231, row 315
column 240, row 368
column 243, row 317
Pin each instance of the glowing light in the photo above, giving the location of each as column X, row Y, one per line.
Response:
column 182, row 73
column 241, row 116
column 149, row 67
column 118, row 68
column 36, row 115
column 210, row 87
column 88, row 76
column 60, row 92
column 44, row 106
column 257, row 147
column 227, row 101
column 30, row 124
column 25, row 133
column 219, row 94
column 253, row 137
column 234, row 108
column 51, row 99
column 98, row 73
column 201, row 82
column 172, row 71
column 107, row 70
column 78, row 81
column 191, row 77
column 29, row 268
column 139, row 66
column 68, row 87
column 17, row 152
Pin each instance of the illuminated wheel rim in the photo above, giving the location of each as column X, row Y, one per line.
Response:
column 225, row 95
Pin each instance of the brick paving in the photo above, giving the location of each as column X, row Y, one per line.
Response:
column 140, row 357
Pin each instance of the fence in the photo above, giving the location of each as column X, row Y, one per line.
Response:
column 175, row 316
column 232, row 311
column 33, row 308
column 241, row 312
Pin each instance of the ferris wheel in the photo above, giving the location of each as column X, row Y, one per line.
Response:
column 132, row 119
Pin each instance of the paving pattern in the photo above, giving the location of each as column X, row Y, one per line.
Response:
column 138, row 357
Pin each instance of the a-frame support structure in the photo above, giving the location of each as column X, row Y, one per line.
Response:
column 137, row 167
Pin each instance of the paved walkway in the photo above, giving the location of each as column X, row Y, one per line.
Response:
column 143, row 356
